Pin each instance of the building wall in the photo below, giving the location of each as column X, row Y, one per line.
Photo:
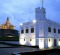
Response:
column 40, row 35
column 51, row 35
column 29, row 37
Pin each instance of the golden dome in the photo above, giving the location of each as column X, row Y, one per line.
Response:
column 7, row 25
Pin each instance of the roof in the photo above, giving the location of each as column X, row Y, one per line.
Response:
column 7, row 25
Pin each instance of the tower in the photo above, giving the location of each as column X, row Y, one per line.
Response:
column 40, row 16
column 7, row 21
column 40, row 13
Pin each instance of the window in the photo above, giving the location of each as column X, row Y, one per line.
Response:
column 30, row 39
column 24, row 39
column 27, row 30
column 49, row 29
column 22, row 31
column 54, row 30
column 49, row 40
column 32, row 30
column 59, row 31
column 59, row 39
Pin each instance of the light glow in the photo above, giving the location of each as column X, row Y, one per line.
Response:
column 41, row 43
column 32, row 42
column 22, row 42
column 50, row 43
column 58, row 42
column 10, row 36
column 21, row 24
column 34, row 21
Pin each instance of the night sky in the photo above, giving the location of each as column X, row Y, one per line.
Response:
column 20, row 11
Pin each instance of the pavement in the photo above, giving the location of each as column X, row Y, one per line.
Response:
column 7, row 49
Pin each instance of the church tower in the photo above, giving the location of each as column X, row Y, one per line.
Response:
column 40, row 13
column 40, row 16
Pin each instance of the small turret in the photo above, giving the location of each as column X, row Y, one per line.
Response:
column 7, row 18
column 40, row 13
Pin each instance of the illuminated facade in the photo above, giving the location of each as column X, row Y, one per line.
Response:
column 40, row 32
column 7, row 30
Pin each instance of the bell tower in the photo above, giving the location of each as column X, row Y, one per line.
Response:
column 40, row 13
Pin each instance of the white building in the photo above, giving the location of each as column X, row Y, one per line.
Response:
column 40, row 32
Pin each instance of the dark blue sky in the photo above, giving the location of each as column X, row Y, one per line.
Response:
column 24, row 10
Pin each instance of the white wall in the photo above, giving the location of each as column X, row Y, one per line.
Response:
column 41, row 43
column 28, row 36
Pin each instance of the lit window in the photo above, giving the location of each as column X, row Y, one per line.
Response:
column 27, row 30
column 32, row 30
column 22, row 31
column 54, row 30
column 49, row 29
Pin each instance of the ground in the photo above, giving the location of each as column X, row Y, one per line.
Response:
column 6, row 49
column 13, row 47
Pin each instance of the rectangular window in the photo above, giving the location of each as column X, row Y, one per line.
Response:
column 54, row 30
column 49, row 29
column 22, row 31
column 32, row 30
column 27, row 30
column 59, row 31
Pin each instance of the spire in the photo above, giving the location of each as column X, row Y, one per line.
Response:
column 7, row 18
column 42, row 3
column 7, row 21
